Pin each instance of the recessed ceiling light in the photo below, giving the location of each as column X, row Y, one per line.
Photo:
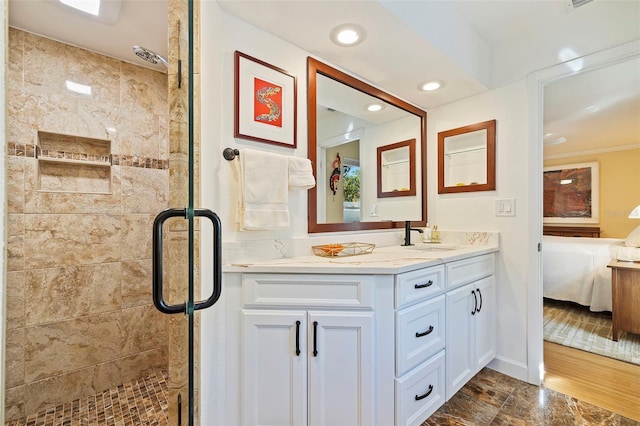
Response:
column 87, row 6
column 348, row 35
column 430, row 86
column 374, row 107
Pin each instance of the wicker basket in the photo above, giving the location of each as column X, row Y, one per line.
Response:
column 343, row 249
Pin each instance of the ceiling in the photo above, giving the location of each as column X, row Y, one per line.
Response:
column 472, row 45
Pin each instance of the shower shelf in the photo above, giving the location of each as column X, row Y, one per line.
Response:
column 72, row 161
column 69, row 163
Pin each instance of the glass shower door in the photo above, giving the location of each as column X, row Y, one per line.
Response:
column 176, row 230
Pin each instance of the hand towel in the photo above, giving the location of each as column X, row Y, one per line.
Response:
column 300, row 174
column 263, row 198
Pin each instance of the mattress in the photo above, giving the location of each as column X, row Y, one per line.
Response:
column 575, row 269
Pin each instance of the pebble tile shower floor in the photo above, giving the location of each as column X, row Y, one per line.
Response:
column 139, row 402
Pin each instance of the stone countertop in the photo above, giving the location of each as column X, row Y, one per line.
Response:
column 383, row 260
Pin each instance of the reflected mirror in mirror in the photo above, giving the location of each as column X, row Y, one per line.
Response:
column 397, row 169
column 466, row 158
column 343, row 140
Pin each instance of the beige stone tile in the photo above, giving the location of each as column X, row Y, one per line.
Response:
column 137, row 232
column 15, row 317
column 65, row 346
column 15, row 242
column 15, row 54
column 100, row 72
column 143, row 328
column 57, row 390
column 138, row 134
column 136, row 283
column 15, row 357
column 71, row 239
column 101, row 120
column 143, row 363
column 55, row 294
column 22, row 111
column 15, row 184
column 14, row 403
column 178, row 351
column 85, row 179
column 144, row 190
column 144, row 89
column 44, row 61
column 68, row 202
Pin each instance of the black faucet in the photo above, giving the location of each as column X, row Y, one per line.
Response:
column 407, row 233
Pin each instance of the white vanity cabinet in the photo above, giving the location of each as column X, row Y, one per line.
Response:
column 308, row 350
column 420, row 344
column 471, row 319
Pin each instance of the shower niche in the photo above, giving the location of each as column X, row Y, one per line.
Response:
column 73, row 164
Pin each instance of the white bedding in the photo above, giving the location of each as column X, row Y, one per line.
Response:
column 575, row 269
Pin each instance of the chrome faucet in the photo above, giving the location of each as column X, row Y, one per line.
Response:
column 407, row 233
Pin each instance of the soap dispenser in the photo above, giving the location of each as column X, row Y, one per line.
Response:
column 435, row 234
column 427, row 234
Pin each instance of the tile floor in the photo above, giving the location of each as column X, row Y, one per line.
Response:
column 140, row 402
column 490, row 398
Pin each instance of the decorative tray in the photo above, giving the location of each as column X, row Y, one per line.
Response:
column 343, row 249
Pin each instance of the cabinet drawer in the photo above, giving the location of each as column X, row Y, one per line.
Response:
column 331, row 291
column 418, row 285
column 468, row 270
column 420, row 333
column 420, row 393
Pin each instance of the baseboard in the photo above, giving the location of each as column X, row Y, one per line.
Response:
column 511, row 368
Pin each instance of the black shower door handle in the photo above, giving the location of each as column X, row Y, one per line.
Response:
column 158, row 299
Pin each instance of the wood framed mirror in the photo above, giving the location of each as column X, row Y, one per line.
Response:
column 397, row 169
column 467, row 158
column 343, row 137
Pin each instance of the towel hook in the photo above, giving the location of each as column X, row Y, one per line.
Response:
column 230, row 153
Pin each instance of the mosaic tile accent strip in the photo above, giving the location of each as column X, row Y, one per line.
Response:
column 28, row 150
column 139, row 402
column 21, row 150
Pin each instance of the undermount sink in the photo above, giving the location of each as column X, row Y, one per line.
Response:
column 434, row 247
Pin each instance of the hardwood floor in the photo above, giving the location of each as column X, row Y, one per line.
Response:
column 601, row 381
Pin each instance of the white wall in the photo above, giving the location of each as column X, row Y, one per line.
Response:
column 476, row 210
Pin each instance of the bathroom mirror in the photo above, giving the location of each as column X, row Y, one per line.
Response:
column 467, row 158
column 342, row 145
column 397, row 169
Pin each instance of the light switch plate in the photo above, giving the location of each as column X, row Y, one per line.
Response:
column 506, row 207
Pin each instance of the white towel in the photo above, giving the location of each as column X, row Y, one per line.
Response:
column 300, row 174
column 263, row 198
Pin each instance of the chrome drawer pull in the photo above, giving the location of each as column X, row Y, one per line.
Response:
column 427, row 284
column 418, row 398
column 425, row 333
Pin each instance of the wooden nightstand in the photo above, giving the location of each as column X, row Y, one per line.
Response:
column 625, row 286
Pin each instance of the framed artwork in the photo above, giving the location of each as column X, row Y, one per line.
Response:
column 571, row 193
column 265, row 102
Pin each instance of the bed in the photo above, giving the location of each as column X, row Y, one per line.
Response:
column 575, row 269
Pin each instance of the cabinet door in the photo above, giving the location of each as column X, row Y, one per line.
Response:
column 485, row 322
column 274, row 382
column 341, row 368
column 460, row 365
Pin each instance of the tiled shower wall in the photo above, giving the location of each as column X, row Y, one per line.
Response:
column 79, row 311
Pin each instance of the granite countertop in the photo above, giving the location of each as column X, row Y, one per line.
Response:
column 383, row 260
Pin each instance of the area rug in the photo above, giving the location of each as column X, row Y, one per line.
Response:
column 572, row 325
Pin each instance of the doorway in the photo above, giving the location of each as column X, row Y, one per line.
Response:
column 537, row 85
